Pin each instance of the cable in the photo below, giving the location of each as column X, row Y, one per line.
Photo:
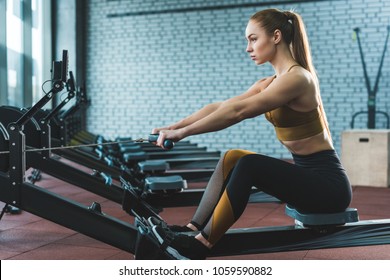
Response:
column 44, row 84
column 78, row 146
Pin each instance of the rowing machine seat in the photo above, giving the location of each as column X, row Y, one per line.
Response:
column 350, row 215
column 130, row 149
column 153, row 166
column 166, row 183
column 134, row 157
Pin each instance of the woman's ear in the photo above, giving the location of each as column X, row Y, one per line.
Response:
column 277, row 36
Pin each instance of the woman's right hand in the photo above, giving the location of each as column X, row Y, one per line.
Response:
column 175, row 135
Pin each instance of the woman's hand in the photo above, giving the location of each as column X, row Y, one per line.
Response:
column 175, row 135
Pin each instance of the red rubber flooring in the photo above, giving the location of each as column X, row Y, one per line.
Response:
column 28, row 237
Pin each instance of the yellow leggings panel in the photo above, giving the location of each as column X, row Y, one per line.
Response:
column 230, row 159
column 222, row 219
column 223, row 215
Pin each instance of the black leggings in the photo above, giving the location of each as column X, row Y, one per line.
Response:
column 315, row 183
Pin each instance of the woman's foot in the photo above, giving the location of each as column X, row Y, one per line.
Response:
column 180, row 246
column 153, row 221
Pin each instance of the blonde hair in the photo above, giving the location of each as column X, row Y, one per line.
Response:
column 294, row 34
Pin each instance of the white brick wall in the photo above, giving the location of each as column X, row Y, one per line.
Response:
column 151, row 70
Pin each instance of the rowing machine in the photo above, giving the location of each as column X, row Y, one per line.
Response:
column 310, row 231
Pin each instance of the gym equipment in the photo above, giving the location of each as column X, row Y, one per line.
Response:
column 168, row 144
column 41, row 159
column 102, row 185
column 109, row 151
column 126, row 151
column 16, row 192
column 112, row 165
column 138, row 239
column 371, row 104
column 39, row 140
column 310, row 231
column 132, row 158
column 90, row 221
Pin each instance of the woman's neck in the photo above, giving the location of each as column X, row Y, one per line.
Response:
column 284, row 68
column 282, row 61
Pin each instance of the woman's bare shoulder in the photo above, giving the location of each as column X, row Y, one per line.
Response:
column 264, row 83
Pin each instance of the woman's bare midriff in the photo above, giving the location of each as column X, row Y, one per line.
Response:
column 307, row 146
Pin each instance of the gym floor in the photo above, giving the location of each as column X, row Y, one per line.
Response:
column 28, row 237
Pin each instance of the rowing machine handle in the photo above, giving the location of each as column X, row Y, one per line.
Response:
column 168, row 144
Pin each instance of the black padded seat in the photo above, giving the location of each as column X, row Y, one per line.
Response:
column 130, row 149
column 136, row 156
column 165, row 183
column 153, row 166
column 350, row 215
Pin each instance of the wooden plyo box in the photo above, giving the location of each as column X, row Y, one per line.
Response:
column 365, row 155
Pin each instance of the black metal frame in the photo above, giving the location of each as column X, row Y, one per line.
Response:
column 75, row 176
column 291, row 238
column 68, row 213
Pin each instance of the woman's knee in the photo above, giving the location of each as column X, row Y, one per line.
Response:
column 246, row 171
column 251, row 161
column 231, row 157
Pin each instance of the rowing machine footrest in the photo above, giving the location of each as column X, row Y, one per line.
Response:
column 136, row 156
column 350, row 215
column 147, row 246
column 153, row 166
column 165, row 183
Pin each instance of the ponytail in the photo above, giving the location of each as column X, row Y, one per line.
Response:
column 299, row 44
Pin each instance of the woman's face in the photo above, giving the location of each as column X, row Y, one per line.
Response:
column 261, row 46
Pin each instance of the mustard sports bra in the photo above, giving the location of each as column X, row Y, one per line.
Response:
column 291, row 125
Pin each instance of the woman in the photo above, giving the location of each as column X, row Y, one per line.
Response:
column 291, row 101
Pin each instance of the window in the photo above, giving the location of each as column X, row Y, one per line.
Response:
column 27, row 29
column 14, row 25
column 41, row 47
